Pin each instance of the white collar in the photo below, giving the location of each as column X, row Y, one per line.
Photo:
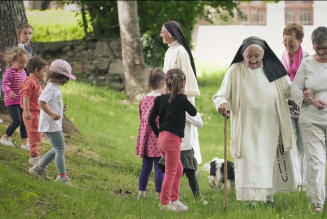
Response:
column 153, row 94
column 174, row 44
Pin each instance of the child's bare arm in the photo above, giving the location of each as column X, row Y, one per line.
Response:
column 27, row 112
column 44, row 106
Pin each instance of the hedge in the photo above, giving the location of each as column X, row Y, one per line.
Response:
column 55, row 25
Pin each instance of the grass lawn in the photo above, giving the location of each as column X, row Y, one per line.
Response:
column 104, row 169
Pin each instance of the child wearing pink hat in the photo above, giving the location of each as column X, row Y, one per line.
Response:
column 52, row 109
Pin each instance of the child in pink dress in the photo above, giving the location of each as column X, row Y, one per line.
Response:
column 147, row 147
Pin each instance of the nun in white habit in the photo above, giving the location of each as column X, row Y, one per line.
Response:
column 255, row 90
column 179, row 56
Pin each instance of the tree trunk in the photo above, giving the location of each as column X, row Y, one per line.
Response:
column 135, row 68
column 84, row 18
column 12, row 13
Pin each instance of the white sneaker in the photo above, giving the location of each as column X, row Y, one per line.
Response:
column 34, row 160
column 41, row 173
column 200, row 199
column 6, row 141
column 318, row 208
column 26, row 147
column 1, row 121
column 65, row 180
column 178, row 205
column 168, row 207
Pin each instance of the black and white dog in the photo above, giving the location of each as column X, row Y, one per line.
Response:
column 216, row 169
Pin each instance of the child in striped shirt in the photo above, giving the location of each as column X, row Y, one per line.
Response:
column 16, row 59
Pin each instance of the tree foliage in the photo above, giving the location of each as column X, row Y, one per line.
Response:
column 152, row 15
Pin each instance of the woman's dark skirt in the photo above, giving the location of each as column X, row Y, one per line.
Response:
column 187, row 158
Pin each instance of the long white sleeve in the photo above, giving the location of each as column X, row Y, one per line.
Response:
column 298, row 85
column 224, row 93
column 195, row 120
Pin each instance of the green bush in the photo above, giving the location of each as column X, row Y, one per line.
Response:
column 152, row 15
column 55, row 25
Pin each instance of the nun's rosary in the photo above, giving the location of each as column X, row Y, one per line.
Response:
column 280, row 151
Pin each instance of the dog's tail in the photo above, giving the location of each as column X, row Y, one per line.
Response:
column 206, row 167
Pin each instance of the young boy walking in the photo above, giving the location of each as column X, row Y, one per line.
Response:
column 30, row 90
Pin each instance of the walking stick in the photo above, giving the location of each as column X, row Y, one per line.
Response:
column 225, row 162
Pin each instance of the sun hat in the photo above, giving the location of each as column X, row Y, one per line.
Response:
column 62, row 67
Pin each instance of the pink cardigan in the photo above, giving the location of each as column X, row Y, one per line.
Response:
column 10, row 84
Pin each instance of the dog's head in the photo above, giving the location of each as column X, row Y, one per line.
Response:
column 215, row 165
column 215, row 174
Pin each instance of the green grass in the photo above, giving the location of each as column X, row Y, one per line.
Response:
column 209, row 67
column 104, row 169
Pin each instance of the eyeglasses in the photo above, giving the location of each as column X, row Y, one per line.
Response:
column 163, row 31
column 291, row 41
column 324, row 49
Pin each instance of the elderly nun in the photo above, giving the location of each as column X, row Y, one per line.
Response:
column 255, row 89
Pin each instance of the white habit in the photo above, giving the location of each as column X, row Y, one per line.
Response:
column 259, row 113
column 177, row 57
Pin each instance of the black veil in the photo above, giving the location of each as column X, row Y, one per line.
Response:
column 175, row 30
column 272, row 66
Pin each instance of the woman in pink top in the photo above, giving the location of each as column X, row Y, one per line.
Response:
column 16, row 59
column 292, row 38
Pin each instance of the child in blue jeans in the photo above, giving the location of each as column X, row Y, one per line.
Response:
column 52, row 109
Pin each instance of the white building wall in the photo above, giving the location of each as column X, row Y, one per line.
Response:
column 275, row 13
column 319, row 13
column 217, row 45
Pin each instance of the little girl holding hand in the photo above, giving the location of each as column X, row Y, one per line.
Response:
column 171, row 108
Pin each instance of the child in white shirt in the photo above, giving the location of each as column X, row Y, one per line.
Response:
column 52, row 110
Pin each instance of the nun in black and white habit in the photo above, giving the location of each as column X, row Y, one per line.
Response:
column 257, row 87
column 180, row 56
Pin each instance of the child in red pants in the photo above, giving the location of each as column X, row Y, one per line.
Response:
column 30, row 90
column 171, row 108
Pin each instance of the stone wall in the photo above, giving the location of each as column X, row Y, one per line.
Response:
column 95, row 59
